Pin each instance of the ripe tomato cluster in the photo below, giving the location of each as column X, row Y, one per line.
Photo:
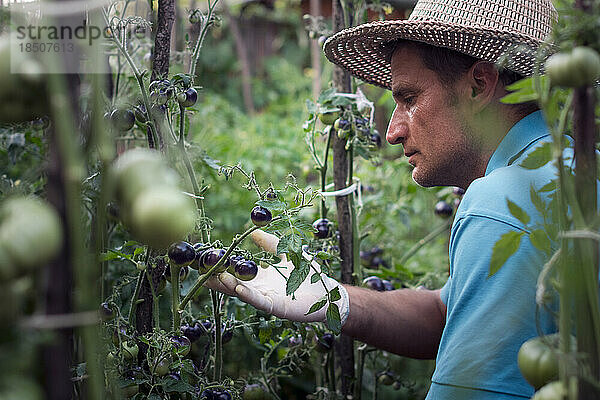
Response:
column 203, row 258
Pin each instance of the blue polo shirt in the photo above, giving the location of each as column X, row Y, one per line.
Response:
column 488, row 319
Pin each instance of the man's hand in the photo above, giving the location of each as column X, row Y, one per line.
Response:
column 266, row 292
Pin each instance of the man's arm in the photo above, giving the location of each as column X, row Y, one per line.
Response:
column 406, row 322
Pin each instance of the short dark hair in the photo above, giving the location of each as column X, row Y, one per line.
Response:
column 449, row 65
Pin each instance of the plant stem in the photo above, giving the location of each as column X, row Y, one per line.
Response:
column 218, row 335
column 428, row 238
column 196, row 53
column 204, row 233
column 323, row 169
column 175, row 295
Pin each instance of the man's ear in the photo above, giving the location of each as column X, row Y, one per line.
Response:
column 483, row 81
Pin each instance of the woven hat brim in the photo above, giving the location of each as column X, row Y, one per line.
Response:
column 365, row 50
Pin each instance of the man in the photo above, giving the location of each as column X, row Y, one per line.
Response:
column 441, row 67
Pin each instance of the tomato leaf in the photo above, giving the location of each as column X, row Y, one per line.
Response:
column 290, row 243
column 540, row 240
column 505, row 247
column 537, row 200
column 315, row 278
column 297, row 276
column 264, row 334
column 317, row 306
column 334, row 294
column 334, row 321
column 518, row 212
column 539, row 157
column 522, row 91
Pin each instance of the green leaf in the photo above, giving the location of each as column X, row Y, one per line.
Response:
column 317, row 306
column 297, row 276
column 326, row 96
column 523, row 91
column 172, row 385
column 138, row 251
column 323, row 255
column 540, row 240
column 272, row 205
column 334, row 321
column 109, row 256
column 549, row 187
column 295, row 258
column 264, row 334
column 315, row 278
column 539, row 157
column 526, row 83
column 334, row 294
column 519, row 97
column 505, row 247
column 518, row 212
column 537, row 200
column 279, row 225
column 291, row 243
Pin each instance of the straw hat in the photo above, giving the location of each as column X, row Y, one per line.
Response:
column 491, row 30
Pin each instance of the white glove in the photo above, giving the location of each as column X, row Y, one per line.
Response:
column 266, row 291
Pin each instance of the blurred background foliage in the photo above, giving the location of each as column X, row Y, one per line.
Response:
column 395, row 213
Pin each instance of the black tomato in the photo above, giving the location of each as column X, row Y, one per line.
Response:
column 181, row 253
column 182, row 345
column 374, row 282
column 260, row 216
column 192, row 332
column 443, row 209
column 387, row 285
column 324, row 343
column 210, row 258
column 107, row 312
column 375, row 139
column 246, row 270
column 321, row 227
column 183, row 273
column 226, row 336
column 189, row 99
column 458, row 191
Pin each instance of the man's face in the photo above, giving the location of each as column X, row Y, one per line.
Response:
column 429, row 122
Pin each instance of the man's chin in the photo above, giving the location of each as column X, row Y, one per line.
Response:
column 423, row 179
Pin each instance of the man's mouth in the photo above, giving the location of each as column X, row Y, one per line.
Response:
column 409, row 155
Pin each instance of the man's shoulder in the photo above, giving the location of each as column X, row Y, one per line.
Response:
column 489, row 196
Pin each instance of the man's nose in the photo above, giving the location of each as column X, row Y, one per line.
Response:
column 397, row 130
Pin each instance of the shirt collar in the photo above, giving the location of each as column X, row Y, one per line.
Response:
column 519, row 137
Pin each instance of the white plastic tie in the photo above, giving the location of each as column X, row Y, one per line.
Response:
column 355, row 187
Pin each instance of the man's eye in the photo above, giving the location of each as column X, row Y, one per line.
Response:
column 410, row 100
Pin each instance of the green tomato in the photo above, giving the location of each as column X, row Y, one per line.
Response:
column 386, row 379
column 161, row 216
column 551, row 391
column 161, row 368
column 538, row 361
column 122, row 118
column 26, row 224
column 138, row 169
column 328, row 118
column 129, row 350
column 255, row 392
column 579, row 68
column 586, row 65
